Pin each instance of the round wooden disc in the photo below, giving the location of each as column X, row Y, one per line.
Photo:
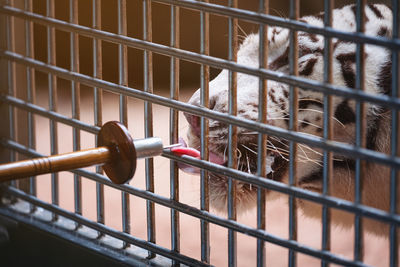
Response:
column 121, row 168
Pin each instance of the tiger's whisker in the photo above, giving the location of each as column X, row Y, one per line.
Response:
column 249, row 149
column 248, row 163
column 309, row 148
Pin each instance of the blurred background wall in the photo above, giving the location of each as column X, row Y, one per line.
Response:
column 189, row 36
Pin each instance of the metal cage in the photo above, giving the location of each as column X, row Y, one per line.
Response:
column 25, row 68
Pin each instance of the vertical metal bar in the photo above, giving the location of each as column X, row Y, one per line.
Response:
column 5, row 155
column 173, row 137
column 12, row 90
column 98, row 101
column 123, row 109
column 76, row 103
column 262, row 138
column 52, row 81
column 293, row 109
column 122, row 61
column 31, row 92
column 360, row 125
column 232, row 135
column 328, row 131
column 393, row 241
column 148, row 118
column 204, row 128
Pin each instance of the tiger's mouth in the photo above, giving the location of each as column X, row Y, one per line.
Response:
column 247, row 158
column 213, row 157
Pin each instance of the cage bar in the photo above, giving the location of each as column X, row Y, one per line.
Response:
column 173, row 137
column 207, row 215
column 256, row 17
column 332, row 202
column 293, row 126
column 204, row 215
column 98, row 101
column 107, row 230
column 359, row 150
column 249, row 16
column 52, row 84
column 148, row 116
column 5, row 155
column 394, row 174
column 204, row 133
column 262, row 138
column 76, row 102
column 360, row 133
column 221, row 63
column 123, row 104
column 232, row 134
column 327, row 130
column 344, row 149
column 31, row 92
column 11, row 80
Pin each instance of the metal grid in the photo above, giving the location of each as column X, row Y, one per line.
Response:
column 11, row 103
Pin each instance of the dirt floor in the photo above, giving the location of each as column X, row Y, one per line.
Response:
column 309, row 231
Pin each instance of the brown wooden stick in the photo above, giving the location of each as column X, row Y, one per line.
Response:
column 116, row 150
column 68, row 161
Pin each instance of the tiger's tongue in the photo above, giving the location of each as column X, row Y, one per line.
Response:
column 189, row 151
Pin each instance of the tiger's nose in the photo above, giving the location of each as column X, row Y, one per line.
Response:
column 194, row 122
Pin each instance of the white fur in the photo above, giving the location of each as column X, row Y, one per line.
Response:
column 376, row 186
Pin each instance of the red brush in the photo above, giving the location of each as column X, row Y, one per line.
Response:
column 180, row 151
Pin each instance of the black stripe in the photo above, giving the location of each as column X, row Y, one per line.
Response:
column 305, row 50
column 286, row 93
column 376, row 11
column 385, row 78
column 305, row 123
column 383, row 31
column 272, row 97
column 281, row 61
column 286, row 118
column 354, row 9
column 279, row 168
column 304, row 103
column 346, row 61
column 311, row 178
column 344, row 163
column 308, row 69
column 372, row 132
column 344, row 113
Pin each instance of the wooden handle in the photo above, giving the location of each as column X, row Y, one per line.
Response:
column 116, row 150
column 68, row 161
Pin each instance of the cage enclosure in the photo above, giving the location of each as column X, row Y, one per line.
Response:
column 67, row 67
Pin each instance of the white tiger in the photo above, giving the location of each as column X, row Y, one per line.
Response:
column 375, row 192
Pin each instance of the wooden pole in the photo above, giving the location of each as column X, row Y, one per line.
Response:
column 56, row 163
column 116, row 151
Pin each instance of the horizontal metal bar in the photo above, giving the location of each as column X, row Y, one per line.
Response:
column 105, row 248
column 204, row 59
column 48, row 114
column 189, row 210
column 105, row 229
column 329, row 201
column 341, row 148
column 258, row 18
